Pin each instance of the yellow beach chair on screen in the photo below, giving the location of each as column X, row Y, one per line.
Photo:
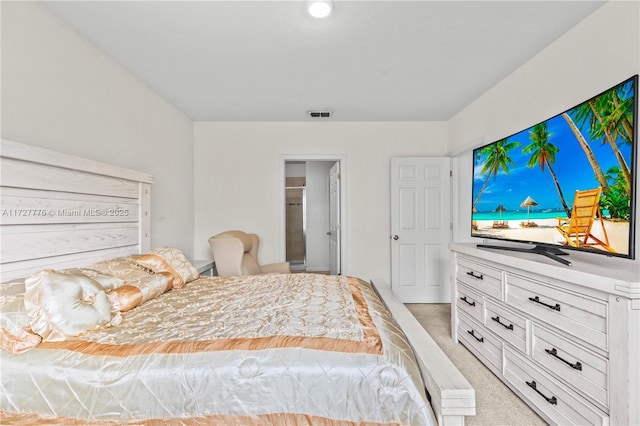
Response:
column 577, row 230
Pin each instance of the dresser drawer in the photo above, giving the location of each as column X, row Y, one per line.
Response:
column 475, row 337
column 556, row 401
column 480, row 277
column 508, row 325
column 578, row 315
column 469, row 302
column 582, row 369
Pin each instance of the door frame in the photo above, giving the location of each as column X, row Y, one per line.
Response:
column 340, row 158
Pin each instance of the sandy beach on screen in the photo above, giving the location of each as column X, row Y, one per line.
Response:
column 546, row 232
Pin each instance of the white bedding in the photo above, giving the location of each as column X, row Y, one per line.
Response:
column 272, row 349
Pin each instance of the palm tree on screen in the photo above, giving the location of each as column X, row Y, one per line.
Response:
column 608, row 128
column 624, row 112
column 496, row 158
column 616, row 201
column 610, row 119
column 543, row 154
column 583, row 113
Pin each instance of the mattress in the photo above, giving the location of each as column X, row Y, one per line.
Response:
column 266, row 349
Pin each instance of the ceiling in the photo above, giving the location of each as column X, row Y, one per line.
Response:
column 368, row 61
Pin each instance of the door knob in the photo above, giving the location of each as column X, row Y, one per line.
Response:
column 395, row 237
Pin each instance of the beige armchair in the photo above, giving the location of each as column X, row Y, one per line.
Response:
column 236, row 253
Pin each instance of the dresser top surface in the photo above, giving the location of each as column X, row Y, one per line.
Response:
column 605, row 273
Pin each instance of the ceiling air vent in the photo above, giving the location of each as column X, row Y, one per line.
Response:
column 320, row 114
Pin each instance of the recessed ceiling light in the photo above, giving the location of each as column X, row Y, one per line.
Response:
column 320, row 9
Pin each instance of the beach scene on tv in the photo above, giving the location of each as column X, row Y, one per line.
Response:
column 567, row 181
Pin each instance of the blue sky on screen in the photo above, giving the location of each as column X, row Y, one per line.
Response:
column 571, row 168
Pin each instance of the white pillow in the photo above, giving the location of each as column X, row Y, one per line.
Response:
column 62, row 305
column 108, row 282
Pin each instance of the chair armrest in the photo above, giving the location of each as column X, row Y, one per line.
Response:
column 282, row 267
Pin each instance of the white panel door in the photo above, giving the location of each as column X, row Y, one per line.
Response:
column 334, row 219
column 420, row 229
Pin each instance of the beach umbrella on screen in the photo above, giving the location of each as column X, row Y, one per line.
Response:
column 528, row 202
column 501, row 209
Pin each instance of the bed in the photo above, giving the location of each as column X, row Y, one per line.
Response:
column 167, row 345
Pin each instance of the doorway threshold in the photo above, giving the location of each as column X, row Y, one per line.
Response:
column 298, row 267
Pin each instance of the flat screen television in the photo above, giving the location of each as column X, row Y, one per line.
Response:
column 564, row 183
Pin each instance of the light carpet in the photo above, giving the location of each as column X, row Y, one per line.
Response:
column 496, row 404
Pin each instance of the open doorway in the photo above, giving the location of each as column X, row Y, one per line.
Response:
column 296, row 214
column 312, row 213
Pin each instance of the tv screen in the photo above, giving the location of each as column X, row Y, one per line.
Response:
column 567, row 182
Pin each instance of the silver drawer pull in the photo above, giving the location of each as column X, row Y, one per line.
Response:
column 554, row 352
column 464, row 299
column 555, row 307
column 497, row 319
column 479, row 339
column 479, row 277
column 532, row 384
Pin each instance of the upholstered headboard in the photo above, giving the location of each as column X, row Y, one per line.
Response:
column 59, row 210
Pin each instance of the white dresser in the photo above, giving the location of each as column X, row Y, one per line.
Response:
column 566, row 339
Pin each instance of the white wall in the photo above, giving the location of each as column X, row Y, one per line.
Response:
column 599, row 53
column 237, row 173
column 60, row 92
